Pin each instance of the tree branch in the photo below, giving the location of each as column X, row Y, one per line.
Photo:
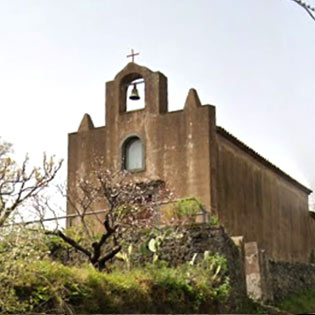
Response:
column 306, row 7
column 69, row 241
column 111, row 254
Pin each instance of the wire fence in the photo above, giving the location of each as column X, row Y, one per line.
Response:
column 202, row 216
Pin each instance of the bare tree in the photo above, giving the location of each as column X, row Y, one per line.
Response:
column 127, row 204
column 20, row 184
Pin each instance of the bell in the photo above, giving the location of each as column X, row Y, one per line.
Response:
column 134, row 93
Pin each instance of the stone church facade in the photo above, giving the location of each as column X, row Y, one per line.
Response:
column 196, row 158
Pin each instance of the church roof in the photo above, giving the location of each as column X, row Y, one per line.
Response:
column 261, row 159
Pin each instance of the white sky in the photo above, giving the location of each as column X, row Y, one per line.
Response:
column 253, row 59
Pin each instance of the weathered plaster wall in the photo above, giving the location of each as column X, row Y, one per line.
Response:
column 262, row 204
column 177, row 144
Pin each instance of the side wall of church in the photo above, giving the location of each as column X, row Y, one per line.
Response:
column 263, row 206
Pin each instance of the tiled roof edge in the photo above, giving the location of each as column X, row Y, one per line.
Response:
column 261, row 159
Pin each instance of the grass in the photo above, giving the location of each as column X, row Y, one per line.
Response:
column 302, row 303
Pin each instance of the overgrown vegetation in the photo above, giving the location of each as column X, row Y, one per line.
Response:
column 32, row 282
column 52, row 287
column 301, row 303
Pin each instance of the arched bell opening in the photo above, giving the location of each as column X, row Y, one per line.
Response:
column 132, row 93
column 135, row 96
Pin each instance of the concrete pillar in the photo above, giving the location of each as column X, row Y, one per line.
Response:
column 253, row 274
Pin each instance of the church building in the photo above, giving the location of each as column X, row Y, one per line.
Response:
column 196, row 158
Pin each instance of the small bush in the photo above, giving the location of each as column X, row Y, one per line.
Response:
column 214, row 220
column 184, row 210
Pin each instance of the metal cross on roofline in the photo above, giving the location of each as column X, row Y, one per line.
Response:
column 132, row 55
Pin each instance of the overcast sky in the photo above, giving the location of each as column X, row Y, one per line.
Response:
column 252, row 59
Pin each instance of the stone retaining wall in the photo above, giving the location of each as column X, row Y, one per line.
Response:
column 201, row 238
column 250, row 271
column 290, row 278
column 196, row 239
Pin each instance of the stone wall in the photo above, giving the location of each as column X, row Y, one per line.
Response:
column 250, row 270
column 197, row 239
column 290, row 278
column 268, row 280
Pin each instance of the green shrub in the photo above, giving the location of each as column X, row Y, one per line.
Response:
column 49, row 286
column 184, row 210
column 189, row 207
column 214, row 220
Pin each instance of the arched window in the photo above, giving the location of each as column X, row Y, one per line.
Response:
column 133, row 158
